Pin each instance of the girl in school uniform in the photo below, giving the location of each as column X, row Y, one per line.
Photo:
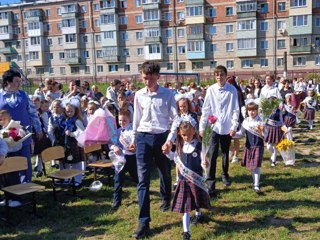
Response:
column 289, row 115
column 310, row 103
column 191, row 194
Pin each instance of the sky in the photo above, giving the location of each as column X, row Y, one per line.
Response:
column 3, row 2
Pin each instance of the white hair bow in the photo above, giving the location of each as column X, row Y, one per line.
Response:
column 95, row 102
column 255, row 101
column 180, row 96
column 187, row 118
column 74, row 101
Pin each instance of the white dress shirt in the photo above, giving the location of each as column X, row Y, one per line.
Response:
column 223, row 103
column 153, row 112
column 267, row 92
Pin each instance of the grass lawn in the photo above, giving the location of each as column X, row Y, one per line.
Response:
column 287, row 208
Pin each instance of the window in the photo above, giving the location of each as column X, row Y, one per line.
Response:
column 50, row 56
column 151, row 14
column 123, row 20
column 181, row 49
column 229, row 28
column 167, row 16
column 59, row 25
column 16, row 16
column 195, row 29
column 197, row 65
column 18, row 44
column 263, row 7
column 100, row 68
column 59, row 11
column 194, row 11
column 113, row 68
column 51, row 70
column 85, row 54
column 281, row 24
column 317, row 21
column 123, row 3
column 152, row 32
column 180, row 1
column 139, row 35
column 39, row 71
column 48, row 12
column 166, row 1
column 299, row 61
column 140, row 51
column 87, row 69
column 60, row 40
column 84, row 39
column 247, row 63
column 181, row 32
column 229, row 11
column 263, row 26
column 246, row 25
column 213, row 64
column 62, row 70
column 303, row 41
column 169, row 50
column 48, row 27
column 75, row 70
column 139, row 19
column 180, row 15
column 195, row 46
column 19, row 57
column 280, row 62
column 301, row 20
column 169, row 66
column 249, row 43
column 35, row 41
column 298, row 3
column 97, row 22
column 126, row 52
column 246, row 6
column 264, row 62
column 229, row 47
column 264, row 45
column 98, row 38
column 96, row 7
column 154, row 48
column 168, row 33
column 70, row 38
column 281, row 6
column 317, row 60
column 83, row 24
column 124, row 36
column 61, row 55
column 317, row 4
column 107, row 19
column 212, row 12
column 99, row 53
column 182, row 66
column 83, row 8
column 68, row 23
column 317, row 42
column 281, row 43
column 212, row 30
column 213, row 47
column 109, row 34
column 230, row 64
column 137, row 3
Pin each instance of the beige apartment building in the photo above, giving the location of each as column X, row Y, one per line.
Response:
column 93, row 39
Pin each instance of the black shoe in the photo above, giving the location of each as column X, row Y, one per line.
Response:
column 39, row 174
column 186, row 236
column 141, row 231
column 165, row 206
column 226, row 181
column 197, row 219
column 115, row 206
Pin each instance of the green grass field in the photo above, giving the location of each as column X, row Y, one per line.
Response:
column 287, row 208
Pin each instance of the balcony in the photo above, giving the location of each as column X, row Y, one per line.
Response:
column 108, row 11
column 149, row 6
column 247, row 14
column 196, row 36
column 300, row 49
column 194, row 2
column 152, row 39
column 196, row 55
column 6, row 36
column 195, row 20
column 72, row 60
column 247, row 52
column 6, row 21
column 152, row 23
column 70, row 15
column 111, row 59
column 35, row 15
column 7, row 50
column 35, row 32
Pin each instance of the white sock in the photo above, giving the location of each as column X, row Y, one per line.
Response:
column 38, row 164
column 177, row 178
column 290, row 134
column 186, row 222
column 53, row 162
column 310, row 123
column 272, row 149
column 256, row 177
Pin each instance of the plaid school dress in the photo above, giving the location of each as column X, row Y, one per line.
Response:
column 273, row 128
column 189, row 196
column 253, row 153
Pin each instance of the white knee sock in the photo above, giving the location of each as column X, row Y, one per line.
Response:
column 310, row 124
column 186, row 222
column 38, row 164
column 290, row 134
column 272, row 149
column 256, row 177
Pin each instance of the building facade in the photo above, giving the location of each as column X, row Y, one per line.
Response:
column 92, row 38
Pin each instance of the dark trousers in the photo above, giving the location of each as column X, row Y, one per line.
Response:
column 131, row 167
column 224, row 141
column 149, row 148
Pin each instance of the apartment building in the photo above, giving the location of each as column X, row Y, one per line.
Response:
column 92, row 38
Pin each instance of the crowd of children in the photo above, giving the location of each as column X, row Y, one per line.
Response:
column 63, row 118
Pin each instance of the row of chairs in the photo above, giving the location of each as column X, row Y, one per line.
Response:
column 15, row 164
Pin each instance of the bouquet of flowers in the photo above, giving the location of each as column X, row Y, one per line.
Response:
column 267, row 105
column 207, row 149
column 14, row 134
column 286, row 149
